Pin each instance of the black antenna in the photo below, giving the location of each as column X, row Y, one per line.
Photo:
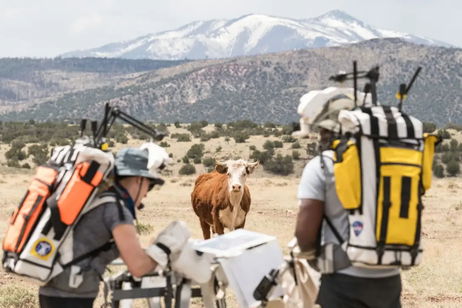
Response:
column 403, row 90
column 367, row 89
column 373, row 75
column 355, row 81
column 401, row 94
column 94, row 128
column 83, row 125
column 413, row 79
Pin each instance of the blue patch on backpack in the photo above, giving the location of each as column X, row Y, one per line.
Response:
column 357, row 227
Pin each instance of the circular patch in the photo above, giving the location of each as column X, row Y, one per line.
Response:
column 43, row 248
column 357, row 227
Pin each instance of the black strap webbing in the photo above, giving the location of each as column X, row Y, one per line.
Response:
column 405, row 196
column 94, row 166
column 334, row 230
column 386, row 204
column 374, row 121
column 92, row 253
column 164, row 248
column 409, row 126
column 391, row 123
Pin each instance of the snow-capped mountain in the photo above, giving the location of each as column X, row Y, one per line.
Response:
column 247, row 35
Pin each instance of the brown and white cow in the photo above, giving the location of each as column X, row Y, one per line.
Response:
column 220, row 198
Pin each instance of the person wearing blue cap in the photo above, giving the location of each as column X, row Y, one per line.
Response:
column 108, row 231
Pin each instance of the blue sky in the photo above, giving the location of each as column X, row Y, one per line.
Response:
column 47, row 28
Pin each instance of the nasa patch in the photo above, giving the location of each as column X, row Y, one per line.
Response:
column 42, row 248
column 357, row 227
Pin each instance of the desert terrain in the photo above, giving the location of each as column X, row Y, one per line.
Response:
column 437, row 282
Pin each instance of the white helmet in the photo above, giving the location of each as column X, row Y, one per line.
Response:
column 320, row 108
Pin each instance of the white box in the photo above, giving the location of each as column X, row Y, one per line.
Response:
column 245, row 257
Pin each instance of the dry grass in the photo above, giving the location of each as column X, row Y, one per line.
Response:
column 436, row 283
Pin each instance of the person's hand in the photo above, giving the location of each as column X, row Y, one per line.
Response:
column 169, row 243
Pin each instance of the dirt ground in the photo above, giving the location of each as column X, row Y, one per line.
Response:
column 435, row 283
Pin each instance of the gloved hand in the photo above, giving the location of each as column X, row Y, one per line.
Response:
column 169, row 243
column 193, row 265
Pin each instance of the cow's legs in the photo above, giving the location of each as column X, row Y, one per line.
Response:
column 217, row 226
column 205, row 229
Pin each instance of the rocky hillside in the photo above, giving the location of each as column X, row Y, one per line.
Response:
column 25, row 81
column 267, row 87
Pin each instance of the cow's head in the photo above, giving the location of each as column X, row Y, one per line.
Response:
column 237, row 171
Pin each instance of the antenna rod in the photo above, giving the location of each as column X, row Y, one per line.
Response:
column 355, row 81
column 402, row 93
column 413, row 79
column 83, row 125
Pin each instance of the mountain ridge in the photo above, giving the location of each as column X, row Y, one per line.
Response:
column 268, row 87
column 249, row 34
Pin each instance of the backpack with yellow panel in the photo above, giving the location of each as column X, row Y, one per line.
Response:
column 382, row 167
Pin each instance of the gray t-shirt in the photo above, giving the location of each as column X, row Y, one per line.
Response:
column 92, row 231
column 318, row 184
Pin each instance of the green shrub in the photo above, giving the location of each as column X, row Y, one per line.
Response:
column 282, row 165
column 278, row 144
column 452, row 168
column 187, row 169
column 252, row 148
column 288, row 139
column 13, row 163
column 240, row 136
column 268, row 145
column 429, row 127
column 164, row 144
column 443, row 134
column 16, row 152
column 438, row 170
column 295, row 155
column 208, row 161
column 453, row 145
column 196, row 151
column 296, row 145
column 197, row 160
column 262, row 157
column 39, row 153
column 182, row 137
column 185, row 159
column 448, row 156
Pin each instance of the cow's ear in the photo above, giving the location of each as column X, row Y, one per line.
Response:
column 223, row 169
column 250, row 167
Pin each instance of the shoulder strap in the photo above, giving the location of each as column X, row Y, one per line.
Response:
column 111, row 197
column 334, row 230
column 328, row 221
column 92, row 253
